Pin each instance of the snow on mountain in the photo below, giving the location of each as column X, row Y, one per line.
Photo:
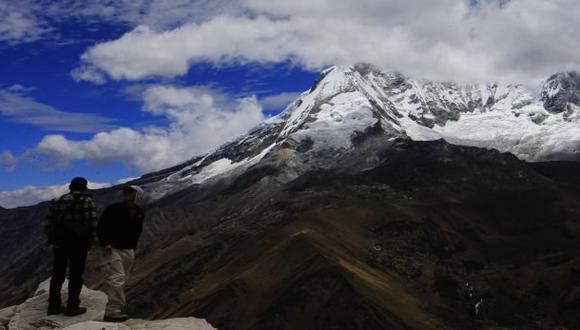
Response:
column 347, row 102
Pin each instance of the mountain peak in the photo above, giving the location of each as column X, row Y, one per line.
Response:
column 360, row 70
column 348, row 104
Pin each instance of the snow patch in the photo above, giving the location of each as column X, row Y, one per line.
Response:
column 223, row 166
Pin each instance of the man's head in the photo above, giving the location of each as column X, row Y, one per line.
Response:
column 78, row 184
column 132, row 193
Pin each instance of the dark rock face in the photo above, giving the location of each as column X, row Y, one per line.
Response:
column 23, row 250
column 365, row 69
column 560, row 90
column 358, row 138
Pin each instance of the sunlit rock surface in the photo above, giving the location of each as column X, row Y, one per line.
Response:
column 31, row 315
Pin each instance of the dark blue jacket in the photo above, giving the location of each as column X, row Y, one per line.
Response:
column 118, row 229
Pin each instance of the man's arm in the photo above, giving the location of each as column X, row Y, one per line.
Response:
column 104, row 227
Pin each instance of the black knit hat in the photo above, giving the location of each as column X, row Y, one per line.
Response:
column 78, row 184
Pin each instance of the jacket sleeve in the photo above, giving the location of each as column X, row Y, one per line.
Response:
column 92, row 213
column 104, row 227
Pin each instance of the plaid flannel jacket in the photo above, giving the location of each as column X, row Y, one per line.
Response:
column 72, row 207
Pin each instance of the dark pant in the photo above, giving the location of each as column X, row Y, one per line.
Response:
column 75, row 257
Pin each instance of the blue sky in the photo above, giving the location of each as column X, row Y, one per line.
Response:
column 114, row 89
column 43, row 68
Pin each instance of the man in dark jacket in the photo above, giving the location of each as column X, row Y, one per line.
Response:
column 119, row 229
column 70, row 228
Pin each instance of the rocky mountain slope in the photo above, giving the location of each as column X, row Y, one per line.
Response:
column 346, row 212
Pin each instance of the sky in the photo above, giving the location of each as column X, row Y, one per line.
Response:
column 112, row 90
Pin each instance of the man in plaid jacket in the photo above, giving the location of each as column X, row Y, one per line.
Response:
column 70, row 226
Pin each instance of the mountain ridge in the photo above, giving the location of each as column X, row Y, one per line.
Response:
column 347, row 103
column 449, row 227
column 330, row 215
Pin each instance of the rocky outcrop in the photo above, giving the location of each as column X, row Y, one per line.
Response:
column 187, row 323
column 561, row 91
column 31, row 315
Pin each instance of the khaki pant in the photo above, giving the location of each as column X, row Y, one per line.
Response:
column 117, row 269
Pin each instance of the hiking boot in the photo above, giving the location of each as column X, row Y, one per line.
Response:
column 70, row 311
column 116, row 318
column 55, row 310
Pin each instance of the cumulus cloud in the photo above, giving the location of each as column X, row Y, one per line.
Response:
column 89, row 74
column 201, row 119
column 31, row 20
column 278, row 101
column 17, row 106
column 8, row 161
column 31, row 195
column 18, row 25
column 449, row 39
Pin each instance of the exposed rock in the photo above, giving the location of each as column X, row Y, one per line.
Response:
column 6, row 315
column 31, row 315
column 188, row 323
column 560, row 90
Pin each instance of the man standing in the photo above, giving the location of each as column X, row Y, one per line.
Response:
column 119, row 229
column 70, row 228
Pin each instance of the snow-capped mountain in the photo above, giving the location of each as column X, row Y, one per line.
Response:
column 332, row 205
column 347, row 103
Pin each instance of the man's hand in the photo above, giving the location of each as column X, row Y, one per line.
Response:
column 108, row 248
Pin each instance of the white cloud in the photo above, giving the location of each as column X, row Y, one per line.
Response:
column 31, row 195
column 201, row 119
column 18, row 107
column 25, row 21
column 157, row 14
column 449, row 39
column 85, row 73
column 8, row 161
column 18, row 25
column 278, row 101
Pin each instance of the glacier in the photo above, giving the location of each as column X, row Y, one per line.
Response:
column 349, row 102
